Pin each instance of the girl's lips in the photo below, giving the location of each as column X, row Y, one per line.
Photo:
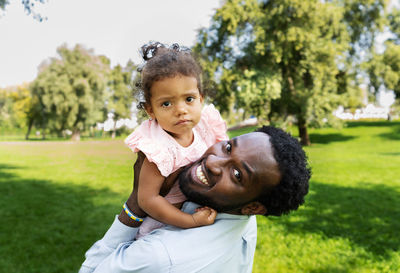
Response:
column 183, row 121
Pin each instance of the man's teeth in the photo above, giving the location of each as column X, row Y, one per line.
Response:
column 200, row 176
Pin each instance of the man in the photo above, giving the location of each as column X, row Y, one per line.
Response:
column 264, row 172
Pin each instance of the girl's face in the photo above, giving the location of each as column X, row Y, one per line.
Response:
column 176, row 104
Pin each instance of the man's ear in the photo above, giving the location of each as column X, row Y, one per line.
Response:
column 149, row 111
column 254, row 208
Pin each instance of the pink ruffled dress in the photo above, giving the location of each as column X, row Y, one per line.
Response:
column 163, row 150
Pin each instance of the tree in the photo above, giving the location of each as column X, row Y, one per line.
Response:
column 15, row 103
column 391, row 57
column 394, row 23
column 71, row 90
column 384, row 68
column 120, row 94
column 365, row 20
column 21, row 103
column 5, row 110
column 29, row 8
column 277, row 58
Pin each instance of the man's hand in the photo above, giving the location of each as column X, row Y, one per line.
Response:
column 204, row 216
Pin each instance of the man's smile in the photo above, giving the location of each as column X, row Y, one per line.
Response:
column 200, row 175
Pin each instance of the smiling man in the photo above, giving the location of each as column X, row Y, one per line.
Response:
column 264, row 172
column 230, row 176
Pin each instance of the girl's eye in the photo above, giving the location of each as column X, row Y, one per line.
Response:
column 166, row 104
column 189, row 99
column 237, row 174
column 228, row 147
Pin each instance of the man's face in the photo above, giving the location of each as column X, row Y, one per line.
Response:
column 232, row 173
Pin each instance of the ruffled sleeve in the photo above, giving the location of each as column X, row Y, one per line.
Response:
column 151, row 140
column 213, row 124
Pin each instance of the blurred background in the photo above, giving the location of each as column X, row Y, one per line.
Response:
column 328, row 72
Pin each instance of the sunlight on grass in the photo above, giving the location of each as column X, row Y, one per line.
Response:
column 59, row 197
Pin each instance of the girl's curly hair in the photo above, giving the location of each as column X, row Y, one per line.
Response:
column 162, row 61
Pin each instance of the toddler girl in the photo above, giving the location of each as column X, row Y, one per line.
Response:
column 178, row 132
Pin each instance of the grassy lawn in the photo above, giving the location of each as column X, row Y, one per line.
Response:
column 58, row 197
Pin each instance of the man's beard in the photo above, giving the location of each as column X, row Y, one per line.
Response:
column 200, row 198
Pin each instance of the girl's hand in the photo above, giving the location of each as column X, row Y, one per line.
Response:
column 204, row 216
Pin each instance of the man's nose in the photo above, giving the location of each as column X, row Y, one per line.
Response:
column 215, row 163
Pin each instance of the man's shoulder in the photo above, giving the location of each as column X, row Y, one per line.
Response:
column 227, row 228
column 218, row 245
column 148, row 254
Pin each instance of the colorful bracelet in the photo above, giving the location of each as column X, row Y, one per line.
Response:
column 131, row 215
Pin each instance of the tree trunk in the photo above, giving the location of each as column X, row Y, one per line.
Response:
column 76, row 135
column 30, row 124
column 114, row 131
column 303, row 133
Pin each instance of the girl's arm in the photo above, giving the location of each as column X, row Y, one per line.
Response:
column 159, row 208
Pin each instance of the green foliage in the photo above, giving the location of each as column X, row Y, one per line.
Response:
column 364, row 19
column 22, row 103
column 394, row 19
column 15, row 103
column 3, row 3
column 120, row 95
column 391, row 75
column 384, row 69
column 349, row 222
column 5, row 109
column 29, row 8
column 277, row 57
column 71, row 90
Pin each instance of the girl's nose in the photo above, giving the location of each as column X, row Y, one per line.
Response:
column 215, row 163
column 181, row 109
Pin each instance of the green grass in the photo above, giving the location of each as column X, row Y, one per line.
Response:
column 59, row 197
column 351, row 219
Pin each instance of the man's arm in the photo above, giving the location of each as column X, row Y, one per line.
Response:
column 117, row 252
column 121, row 234
column 114, row 248
column 116, row 234
column 226, row 246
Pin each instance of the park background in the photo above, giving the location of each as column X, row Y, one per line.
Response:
column 328, row 72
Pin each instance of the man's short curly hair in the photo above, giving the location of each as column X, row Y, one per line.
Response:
column 289, row 194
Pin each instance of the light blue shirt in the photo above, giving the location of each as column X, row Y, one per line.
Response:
column 228, row 246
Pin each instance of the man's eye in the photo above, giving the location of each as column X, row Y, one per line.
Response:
column 166, row 104
column 237, row 174
column 190, row 99
column 228, row 147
